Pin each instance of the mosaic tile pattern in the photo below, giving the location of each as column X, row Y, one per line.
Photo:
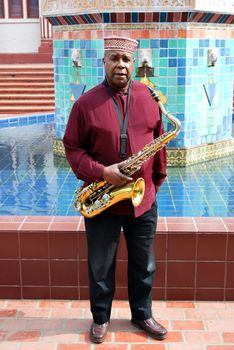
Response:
column 181, row 73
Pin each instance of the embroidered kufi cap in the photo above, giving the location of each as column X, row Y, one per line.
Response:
column 120, row 44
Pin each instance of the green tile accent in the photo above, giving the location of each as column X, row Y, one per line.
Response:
column 145, row 43
column 182, row 43
column 180, row 98
column 172, row 81
column 173, row 43
column 163, row 72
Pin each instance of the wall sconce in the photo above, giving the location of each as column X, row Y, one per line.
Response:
column 76, row 58
column 211, row 57
column 145, row 68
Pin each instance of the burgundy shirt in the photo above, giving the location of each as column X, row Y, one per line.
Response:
column 92, row 139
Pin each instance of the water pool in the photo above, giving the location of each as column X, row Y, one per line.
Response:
column 33, row 181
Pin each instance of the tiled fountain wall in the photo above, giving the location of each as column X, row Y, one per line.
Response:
column 201, row 96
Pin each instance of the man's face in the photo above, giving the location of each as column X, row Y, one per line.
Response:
column 118, row 67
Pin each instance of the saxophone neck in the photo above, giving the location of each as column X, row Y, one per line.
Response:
column 175, row 121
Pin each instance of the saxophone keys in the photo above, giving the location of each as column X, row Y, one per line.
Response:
column 78, row 190
column 106, row 198
column 89, row 210
column 77, row 205
column 97, row 204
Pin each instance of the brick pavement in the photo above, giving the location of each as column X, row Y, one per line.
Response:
column 64, row 325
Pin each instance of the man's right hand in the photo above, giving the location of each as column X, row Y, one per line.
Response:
column 112, row 175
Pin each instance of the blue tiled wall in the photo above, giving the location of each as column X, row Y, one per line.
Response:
column 27, row 120
column 181, row 73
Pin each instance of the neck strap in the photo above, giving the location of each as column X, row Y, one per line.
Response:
column 123, row 123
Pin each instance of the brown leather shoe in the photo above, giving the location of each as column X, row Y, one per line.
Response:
column 152, row 327
column 98, row 332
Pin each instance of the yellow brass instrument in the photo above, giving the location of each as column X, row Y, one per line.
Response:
column 98, row 196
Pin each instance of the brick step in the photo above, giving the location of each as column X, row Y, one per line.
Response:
column 19, row 91
column 26, row 96
column 25, row 102
column 25, row 109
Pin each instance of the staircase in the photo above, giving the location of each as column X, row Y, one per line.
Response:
column 44, row 55
column 26, row 89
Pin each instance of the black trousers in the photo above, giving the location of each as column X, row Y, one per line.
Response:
column 103, row 232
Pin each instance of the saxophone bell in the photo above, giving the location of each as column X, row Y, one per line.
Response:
column 138, row 191
column 131, row 190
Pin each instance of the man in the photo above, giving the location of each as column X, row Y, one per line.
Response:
column 95, row 149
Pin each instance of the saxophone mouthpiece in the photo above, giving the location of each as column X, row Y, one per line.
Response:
column 154, row 94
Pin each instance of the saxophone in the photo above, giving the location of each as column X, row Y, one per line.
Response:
column 98, row 196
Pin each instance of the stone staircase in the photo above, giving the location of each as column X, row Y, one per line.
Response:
column 43, row 55
column 26, row 89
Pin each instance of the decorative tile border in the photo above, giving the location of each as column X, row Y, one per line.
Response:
column 144, row 31
column 199, row 154
column 181, row 157
column 58, row 148
column 142, row 17
column 141, row 31
column 26, row 120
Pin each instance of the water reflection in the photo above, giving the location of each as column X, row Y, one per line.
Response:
column 205, row 189
column 35, row 182
column 26, row 166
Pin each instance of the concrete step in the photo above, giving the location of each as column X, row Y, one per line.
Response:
column 35, row 57
column 24, row 96
column 46, row 49
column 25, row 74
column 27, row 79
column 25, row 102
column 44, row 55
column 24, row 67
column 26, row 109
column 47, row 41
column 26, row 85
column 26, row 90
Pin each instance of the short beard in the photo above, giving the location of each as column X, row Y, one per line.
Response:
column 119, row 85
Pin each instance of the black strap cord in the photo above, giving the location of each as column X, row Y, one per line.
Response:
column 123, row 123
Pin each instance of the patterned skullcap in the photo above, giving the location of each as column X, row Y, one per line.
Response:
column 120, row 43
